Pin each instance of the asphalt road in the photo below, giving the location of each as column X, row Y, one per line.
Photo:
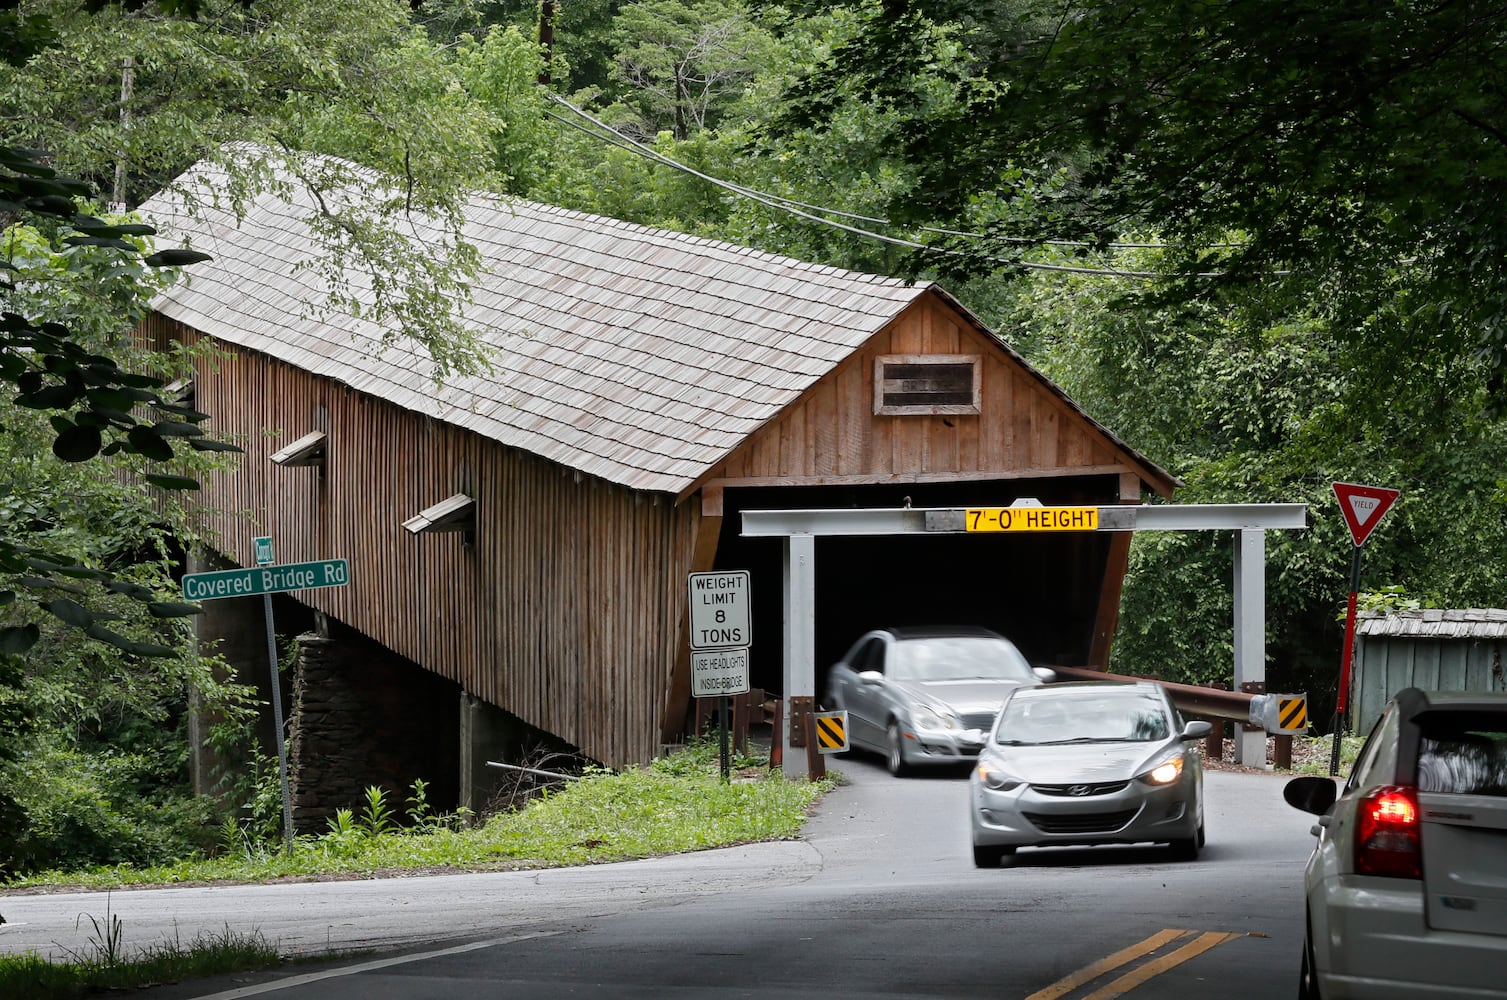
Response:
column 879, row 899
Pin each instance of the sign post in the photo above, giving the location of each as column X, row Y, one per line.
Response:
column 1363, row 508
column 267, row 580
column 720, row 634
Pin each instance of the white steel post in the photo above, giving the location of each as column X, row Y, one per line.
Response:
column 800, row 641
column 1250, row 635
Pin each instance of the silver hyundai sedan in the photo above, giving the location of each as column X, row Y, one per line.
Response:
column 1099, row 762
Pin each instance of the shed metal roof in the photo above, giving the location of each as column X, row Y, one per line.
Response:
column 1461, row 623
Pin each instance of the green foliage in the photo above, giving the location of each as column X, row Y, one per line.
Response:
column 344, row 837
column 104, row 796
column 421, row 815
column 263, row 88
column 1259, row 397
column 1340, row 154
column 1386, row 600
column 67, row 282
column 376, row 814
column 500, row 72
column 604, row 816
column 682, row 61
column 253, row 789
column 704, row 754
column 1320, row 751
column 107, row 968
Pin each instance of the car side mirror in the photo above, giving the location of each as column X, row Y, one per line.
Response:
column 871, row 676
column 1046, row 674
column 1311, row 794
column 1196, row 730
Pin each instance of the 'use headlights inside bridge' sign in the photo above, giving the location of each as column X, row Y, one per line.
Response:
column 720, row 610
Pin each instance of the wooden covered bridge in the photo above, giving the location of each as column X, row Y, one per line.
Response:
column 519, row 542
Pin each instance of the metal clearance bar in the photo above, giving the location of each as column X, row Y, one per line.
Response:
column 800, row 529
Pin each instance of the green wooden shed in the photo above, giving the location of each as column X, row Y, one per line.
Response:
column 1434, row 649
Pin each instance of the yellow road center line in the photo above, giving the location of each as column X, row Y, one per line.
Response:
column 1131, row 980
column 1089, row 973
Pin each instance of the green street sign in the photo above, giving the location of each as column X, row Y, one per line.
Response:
column 266, row 580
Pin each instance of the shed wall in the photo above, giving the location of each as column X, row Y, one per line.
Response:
column 1385, row 665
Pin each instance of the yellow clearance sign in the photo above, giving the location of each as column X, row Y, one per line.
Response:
column 1032, row 519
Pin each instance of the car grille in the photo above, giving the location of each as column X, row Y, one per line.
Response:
column 1084, row 823
column 978, row 720
column 1081, row 790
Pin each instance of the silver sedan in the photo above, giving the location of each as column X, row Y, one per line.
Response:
column 926, row 695
column 1090, row 763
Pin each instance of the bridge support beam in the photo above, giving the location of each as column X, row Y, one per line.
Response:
column 1249, row 522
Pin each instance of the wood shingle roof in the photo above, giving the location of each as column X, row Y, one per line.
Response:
column 639, row 356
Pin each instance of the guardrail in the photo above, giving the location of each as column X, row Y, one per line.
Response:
column 1255, row 710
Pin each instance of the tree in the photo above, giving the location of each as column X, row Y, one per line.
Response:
column 144, row 90
column 1252, row 398
column 124, row 97
column 683, row 60
column 1337, row 147
column 80, row 554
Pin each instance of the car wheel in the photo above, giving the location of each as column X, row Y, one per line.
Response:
column 1186, row 848
column 1308, row 980
column 990, row 857
column 895, row 754
column 1200, row 834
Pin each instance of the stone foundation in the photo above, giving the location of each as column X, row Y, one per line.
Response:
column 363, row 716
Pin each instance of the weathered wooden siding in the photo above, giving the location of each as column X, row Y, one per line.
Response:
column 832, row 433
column 569, row 609
column 1435, row 649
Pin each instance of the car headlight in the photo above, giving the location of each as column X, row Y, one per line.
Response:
column 926, row 718
column 995, row 777
column 1164, row 773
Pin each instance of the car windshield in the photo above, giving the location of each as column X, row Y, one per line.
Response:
column 957, row 658
column 1463, row 755
column 1078, row 717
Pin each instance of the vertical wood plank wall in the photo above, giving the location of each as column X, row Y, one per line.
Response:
column 568, row 611
column 832, row 431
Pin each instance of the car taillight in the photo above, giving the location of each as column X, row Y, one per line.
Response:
column 1387, row 834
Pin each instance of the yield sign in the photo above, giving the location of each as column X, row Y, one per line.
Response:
column 1363, row 507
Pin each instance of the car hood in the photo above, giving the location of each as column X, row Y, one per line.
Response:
column 964, row 697
column 1071, row 763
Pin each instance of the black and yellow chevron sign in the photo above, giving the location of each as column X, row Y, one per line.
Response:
column 1292, row 714
column 831, row 732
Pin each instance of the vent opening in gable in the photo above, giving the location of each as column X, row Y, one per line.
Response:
column 926, row 384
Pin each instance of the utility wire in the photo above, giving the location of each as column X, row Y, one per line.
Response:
column 609, row 135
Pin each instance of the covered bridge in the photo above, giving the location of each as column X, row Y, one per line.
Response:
column 519, row 542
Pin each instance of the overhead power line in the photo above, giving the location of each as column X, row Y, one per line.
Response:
column 605, row 133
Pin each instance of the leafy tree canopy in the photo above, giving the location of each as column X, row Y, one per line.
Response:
column 1350, row 148
column 129, row 96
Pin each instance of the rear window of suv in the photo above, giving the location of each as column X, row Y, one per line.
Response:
column 1463, row 754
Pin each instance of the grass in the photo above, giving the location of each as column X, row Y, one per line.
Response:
column 676, row 804
column 106, row 967
column 1312, row 754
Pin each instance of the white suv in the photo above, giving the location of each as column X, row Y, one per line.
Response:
column 1406, row 889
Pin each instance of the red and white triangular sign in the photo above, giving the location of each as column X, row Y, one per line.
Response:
column 1363, row 507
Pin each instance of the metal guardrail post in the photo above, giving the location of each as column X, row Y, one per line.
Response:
column 777, row 744
column 1214, row 742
